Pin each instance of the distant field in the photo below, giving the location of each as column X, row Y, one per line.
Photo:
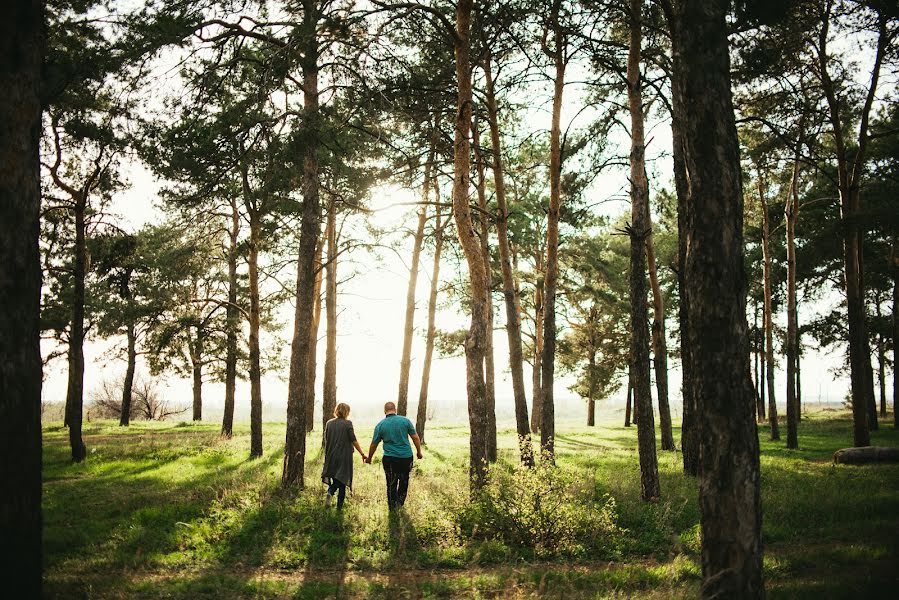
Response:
column 171, row 511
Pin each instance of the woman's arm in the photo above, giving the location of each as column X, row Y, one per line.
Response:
column 359, row 449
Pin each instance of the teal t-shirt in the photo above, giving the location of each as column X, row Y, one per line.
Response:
column 394, row 431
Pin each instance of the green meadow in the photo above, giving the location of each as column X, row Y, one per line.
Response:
column 170, row 510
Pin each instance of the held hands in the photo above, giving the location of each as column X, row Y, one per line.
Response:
column 420, row 454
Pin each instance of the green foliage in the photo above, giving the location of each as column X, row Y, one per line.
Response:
column 546, row 509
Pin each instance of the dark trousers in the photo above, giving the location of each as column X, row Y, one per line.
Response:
column 340, row 488
column 396, row 470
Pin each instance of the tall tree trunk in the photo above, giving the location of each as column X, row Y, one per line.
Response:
column 489, row 367
column 551, row 276
column 255, row 366
column 759, row 389
column 798, row 369
column 312, row 363
column 764, row 355
column 769, row 314
column 298, row 384
column 689, row 419
column 233, row 324
column 850, row 167
column 881, row 375
column 659, row 342
column 75, row 393
column 475, row 343
column 422, row 415
column 329, row 391
column 406, row 357
column 729, row 495
column 125, row 413
column 591, row 390
column 510, row 293
column 894, row 268
column 196, row 361
column 536, row 374
column 646, row 434
column 21, row 51
column 791, row 213
column 630, row 397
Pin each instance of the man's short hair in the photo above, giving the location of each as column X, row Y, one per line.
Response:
column 389, row 407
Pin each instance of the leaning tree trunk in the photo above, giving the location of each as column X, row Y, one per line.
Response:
column 127, row 387
column 21, row 50
column 422, row 415
column 312, row 364
column 255, row 366
column 196, row 363
column 475, row 343
column 489, row 368
column 510, row 294
column 659, row 344
column 759, row 369
column 646, row 435
column 536, row 374
column 298, row 384
column 729, row 494
column 551, row 277
column 406, row 357
column 768, row 318
column 232, row 325
column 75, row 393
column 329, row 389
column 791, row 213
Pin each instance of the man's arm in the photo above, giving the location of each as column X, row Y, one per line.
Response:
column 417, row 441
column 371, row 451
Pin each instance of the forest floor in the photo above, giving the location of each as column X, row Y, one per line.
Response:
column 166, row 510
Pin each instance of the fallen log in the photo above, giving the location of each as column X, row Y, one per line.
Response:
column 865, row 455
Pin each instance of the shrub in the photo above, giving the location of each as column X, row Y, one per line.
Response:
column 545, row 509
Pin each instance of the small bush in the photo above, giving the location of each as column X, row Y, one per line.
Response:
column 544, row 509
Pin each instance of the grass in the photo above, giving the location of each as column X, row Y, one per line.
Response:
column 172, row 511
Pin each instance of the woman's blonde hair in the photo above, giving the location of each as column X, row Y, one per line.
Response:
column 342, row 411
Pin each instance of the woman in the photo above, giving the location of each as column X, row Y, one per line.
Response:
column 340, row 439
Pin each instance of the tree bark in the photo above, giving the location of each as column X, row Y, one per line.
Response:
column 551, row 276
column 312, row 363
column 75, row 393
column 233, row 324
column 850, row 167
column 759, row 369
column 255, row 366
column 21, row 51
column 659, row 342
column 646, row 435
column 510, row 293
column 894, row 268
column 295, row 444
column 196, row 360
column 489, row 367
column 422, row 415
column 329, row 390
column 729, row 494
column 689, row 418
column 536, row 374
column 630, row 397
column 406, row 357
column 127, row 387
column 475, row 342
column 591, row 390
column 768, row 315
column 791, row 213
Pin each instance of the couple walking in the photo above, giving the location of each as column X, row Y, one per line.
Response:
column 340, row 439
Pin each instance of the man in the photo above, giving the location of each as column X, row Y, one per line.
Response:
column 395, row 430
